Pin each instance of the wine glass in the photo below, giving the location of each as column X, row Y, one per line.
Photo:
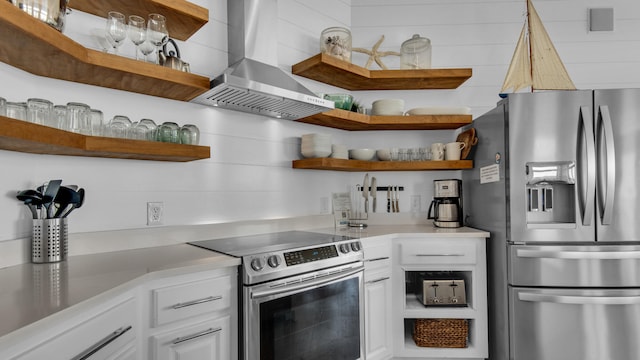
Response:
column 157, row 32
column 136, row 31
column 116, row 30
column 146, row 48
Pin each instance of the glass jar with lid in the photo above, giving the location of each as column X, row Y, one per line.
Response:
column 336, row 41
column 415, row 53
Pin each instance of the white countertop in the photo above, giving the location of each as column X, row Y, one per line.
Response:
column 32, row 292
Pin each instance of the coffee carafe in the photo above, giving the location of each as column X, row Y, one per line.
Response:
column 446, row 207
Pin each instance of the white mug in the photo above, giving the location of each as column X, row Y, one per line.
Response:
column 437, row 151
column 452, row 150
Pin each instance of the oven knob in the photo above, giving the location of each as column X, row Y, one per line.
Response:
column 273, row 261
column 257, row 264
column 344, row 248
column 355, row 246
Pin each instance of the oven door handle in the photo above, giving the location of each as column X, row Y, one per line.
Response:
column 316, row 282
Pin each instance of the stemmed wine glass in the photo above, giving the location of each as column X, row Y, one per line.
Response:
column 157, row 32
column 137, row 32
column 116, row 30
column 146, row 48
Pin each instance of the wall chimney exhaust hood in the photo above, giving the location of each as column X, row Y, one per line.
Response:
column 253, row 82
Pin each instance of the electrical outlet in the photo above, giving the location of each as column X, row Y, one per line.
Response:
column 415, row 203
column 155, row 213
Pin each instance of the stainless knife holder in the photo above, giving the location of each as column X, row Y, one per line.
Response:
column 49, row 240
column 449, row 292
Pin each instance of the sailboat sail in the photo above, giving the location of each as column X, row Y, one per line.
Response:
column 537, row 65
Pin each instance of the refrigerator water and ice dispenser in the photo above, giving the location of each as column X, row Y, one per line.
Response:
column 550, row 193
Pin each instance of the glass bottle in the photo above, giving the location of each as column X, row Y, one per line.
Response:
column 415, row 53
column 336, row 41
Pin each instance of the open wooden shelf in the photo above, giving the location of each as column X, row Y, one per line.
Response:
column 359, row 165
column 349, row 120
column 183, row 17
column 36, row 47
column 333, row 71
column 17, row 135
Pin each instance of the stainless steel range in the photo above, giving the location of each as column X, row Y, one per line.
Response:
column 301, row 297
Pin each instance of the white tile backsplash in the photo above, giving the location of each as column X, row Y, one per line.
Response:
column 249, row 174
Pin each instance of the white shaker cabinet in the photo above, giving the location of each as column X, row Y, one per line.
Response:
column 377, row 298
column 416, row 258
column 193, row 316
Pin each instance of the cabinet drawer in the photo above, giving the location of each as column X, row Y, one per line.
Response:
column 101, row 336
column 460, row 251
column 209, row 339
column 178, row 302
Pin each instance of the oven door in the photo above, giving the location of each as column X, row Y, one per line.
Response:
column 316, row 315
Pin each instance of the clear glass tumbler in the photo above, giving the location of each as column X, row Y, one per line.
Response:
column 118, row 127
column 169, row 132
column 17, row 110
column 3, row 107
column 60, row 116
column 40, row 111
column 152, row 129
column 189, row 134
column 96, row 118
column 77, row 120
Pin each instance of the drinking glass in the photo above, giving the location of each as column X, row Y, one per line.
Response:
column 152, row 128
column 3, row 107
column 169, row 132
column 96, row 118
column 60, row 116
column 137, row 131
column 77, row 119
column 146, row 48
column 189, row 134
column 39, row 111
column 136, row 31
column 116, row 30
column 157, row 32
column 118, row 127
column 17, row 110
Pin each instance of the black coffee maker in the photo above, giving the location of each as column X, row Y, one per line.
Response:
column 446, row 207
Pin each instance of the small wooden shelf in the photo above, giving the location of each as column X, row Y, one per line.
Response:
column 333, row 71
column 35, row 47
column 349, row 120
column 359, row 165
column 17, row 135
column 183, row 17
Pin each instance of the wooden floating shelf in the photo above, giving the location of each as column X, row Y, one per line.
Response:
column 349, row 120
column 22, row 136
column 333, row 71
column 35, row 47
column 359, row 165
column 183, row 17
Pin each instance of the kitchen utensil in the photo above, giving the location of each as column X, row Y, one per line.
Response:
column 65, row 197
column 397, row 200
column 51, row 190
column 365, row 193
column 172, row 59
column 469, row 138
column 31, row 198
column 374, row 192
column 81, row 193
column 389, row 198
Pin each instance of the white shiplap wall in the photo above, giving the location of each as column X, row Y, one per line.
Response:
column 249, row 175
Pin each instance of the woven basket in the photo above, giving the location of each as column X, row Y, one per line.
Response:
column 441, row 333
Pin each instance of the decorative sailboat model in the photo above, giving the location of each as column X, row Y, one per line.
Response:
column 535, row 61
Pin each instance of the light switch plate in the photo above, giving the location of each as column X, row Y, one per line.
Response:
column 601, row 19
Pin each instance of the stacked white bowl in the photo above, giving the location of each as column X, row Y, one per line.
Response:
column 316, row 145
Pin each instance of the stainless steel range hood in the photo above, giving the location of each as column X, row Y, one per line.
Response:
column 253, row 83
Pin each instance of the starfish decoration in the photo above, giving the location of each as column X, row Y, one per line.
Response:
column 375, row 55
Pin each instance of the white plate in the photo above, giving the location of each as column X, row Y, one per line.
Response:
column 440, row 110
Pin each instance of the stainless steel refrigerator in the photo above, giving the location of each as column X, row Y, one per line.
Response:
column 556, row 182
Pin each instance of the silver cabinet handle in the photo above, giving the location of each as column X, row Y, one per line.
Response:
column 195, row 336
column 610, row 171
column 589, row 201
column 313, row 283
column 602, row 255
column 196, row 302
column 581, row 300
column 378, row 280
column 378, row 259
column 102, row 343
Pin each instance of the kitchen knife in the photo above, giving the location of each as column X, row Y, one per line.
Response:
column 397, row 200
column 389, row 198
column 365, row 193
column 374, row 192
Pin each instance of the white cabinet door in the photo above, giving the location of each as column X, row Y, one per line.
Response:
column 377, row 307
column 208, row 340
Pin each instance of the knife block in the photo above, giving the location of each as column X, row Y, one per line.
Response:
column 49, row 240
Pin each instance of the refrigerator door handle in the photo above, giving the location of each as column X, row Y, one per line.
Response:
column 582, row 300
column 609, row 195
column 590, row 195
column 598, row 255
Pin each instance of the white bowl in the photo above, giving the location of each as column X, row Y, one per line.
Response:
column 362, row 154
column 383, row 154
column 387, row 107
column 317, row 153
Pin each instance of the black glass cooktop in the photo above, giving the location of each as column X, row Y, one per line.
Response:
column 256, row 244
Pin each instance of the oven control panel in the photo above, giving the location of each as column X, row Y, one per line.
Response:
column 289, row 262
